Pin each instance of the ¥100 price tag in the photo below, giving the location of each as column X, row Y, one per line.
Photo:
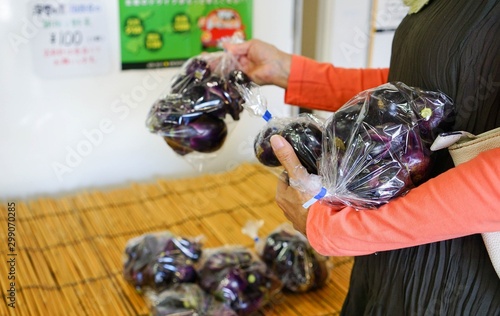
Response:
column 71, row 39
column 67, row 38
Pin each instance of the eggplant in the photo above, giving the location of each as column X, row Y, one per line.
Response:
column 238, row 77
column 200, row 89
column 195, row 70
column 159, row 261
column 238, row 279
column 262, row 146
column 295, row 262
column 377, row 144
column 204, row 134
column 303, row 133
column 306, row 140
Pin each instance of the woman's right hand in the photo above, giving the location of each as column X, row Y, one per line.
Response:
column 262, row 62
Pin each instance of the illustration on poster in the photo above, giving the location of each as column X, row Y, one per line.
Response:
column 220, row 24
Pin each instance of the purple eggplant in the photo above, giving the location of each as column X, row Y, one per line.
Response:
column 238, row 77
column 210, row 134
column 209, row 91
column 306, row 140
column 239, row 280
column 192, row 117
column 182, row 300
column 303, row 133
column 160, row 261
column 435, row 112
column 262, row 146
column 388, row 105
column 195, row 71
column 187, row 299
column 380, row 182
column 293, row 260
column 204, row 134
column 417, row 158
column 377, row 144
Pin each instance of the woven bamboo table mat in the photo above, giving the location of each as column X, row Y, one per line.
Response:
column 68, row 249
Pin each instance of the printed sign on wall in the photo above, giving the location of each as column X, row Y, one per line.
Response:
column 71, row 38
column 165, row 33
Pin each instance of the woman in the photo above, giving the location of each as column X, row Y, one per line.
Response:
column 420, row 254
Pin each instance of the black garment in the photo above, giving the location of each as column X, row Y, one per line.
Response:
column 452, row 46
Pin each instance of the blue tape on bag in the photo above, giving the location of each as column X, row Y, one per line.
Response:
column 267, row 116
column 317, row 197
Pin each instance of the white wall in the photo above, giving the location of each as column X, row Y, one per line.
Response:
column 43, row 122
column 346, row 34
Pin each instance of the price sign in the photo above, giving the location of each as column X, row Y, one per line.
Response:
column 71, row 38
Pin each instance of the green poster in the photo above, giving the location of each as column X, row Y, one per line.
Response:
column 165, row 33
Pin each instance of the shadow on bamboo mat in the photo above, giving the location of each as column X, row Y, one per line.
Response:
column 66, row 253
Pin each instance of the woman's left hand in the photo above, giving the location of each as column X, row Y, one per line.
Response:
column 289, row 199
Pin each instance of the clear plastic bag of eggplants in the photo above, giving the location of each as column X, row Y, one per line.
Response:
column 376, row 146
column 201, row 107
column 304, row 132
column 186, row 299
column 288, row 254
column 160, row 260
column 236, row 276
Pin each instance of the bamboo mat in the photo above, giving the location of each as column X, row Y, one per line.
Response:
column 68, row 250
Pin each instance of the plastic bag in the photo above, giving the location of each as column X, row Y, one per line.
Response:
column 186, row 299
column 195, row 114
column 291, row 258
column 159, row 260
column 236, row 276
column 377, row 146
column 303, row 132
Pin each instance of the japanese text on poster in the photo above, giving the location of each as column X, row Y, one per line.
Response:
column 165, row 33
column 71, row 40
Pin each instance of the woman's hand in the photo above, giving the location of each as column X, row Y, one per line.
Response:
column 262, row 62
column 289, row 199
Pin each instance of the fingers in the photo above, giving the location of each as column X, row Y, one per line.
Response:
column 246, row 66
column 239, row 49
column 287, row 157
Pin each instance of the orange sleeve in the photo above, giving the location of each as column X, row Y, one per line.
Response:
column 322, row 86
column 462, row 201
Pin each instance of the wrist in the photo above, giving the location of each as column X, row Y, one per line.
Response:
column 282, row 68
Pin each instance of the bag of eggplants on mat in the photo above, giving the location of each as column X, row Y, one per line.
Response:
column 195, row 115
column 157, row 261
column 290, row 257
column 236, row 276
column 377, row 146
column 186, row 299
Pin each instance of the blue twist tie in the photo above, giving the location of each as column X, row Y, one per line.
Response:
column 267, row 116
column 317, row 197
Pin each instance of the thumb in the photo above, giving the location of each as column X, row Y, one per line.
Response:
column 287, row 157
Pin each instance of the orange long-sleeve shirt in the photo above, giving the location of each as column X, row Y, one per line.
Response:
column 462, row 201
column 322, row 86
